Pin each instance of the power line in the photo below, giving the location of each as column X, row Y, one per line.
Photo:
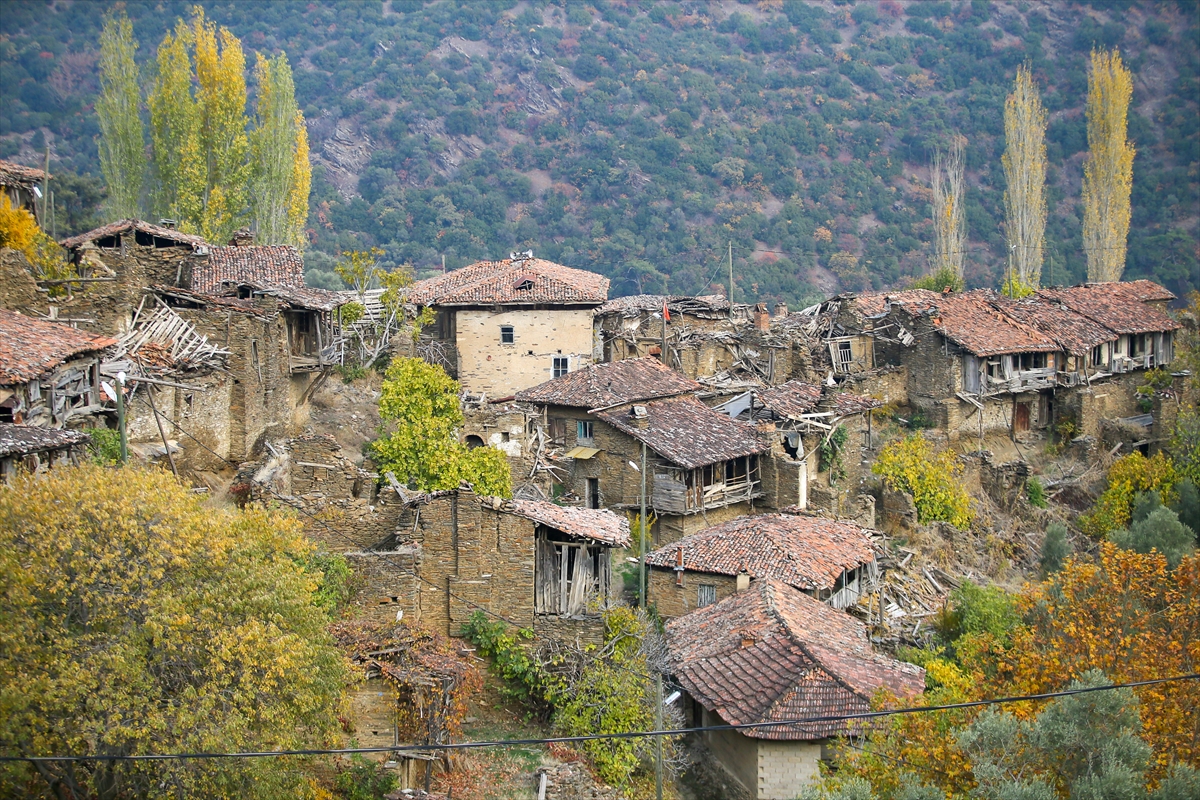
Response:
column 801, row 721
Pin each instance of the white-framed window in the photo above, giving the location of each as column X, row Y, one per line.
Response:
column 507, row 334
column 583, row 430
column 559, row 367
column 706, row 595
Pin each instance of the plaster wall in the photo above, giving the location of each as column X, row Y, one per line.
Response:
column 485, row 364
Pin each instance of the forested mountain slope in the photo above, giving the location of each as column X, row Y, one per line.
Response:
column 639, row 138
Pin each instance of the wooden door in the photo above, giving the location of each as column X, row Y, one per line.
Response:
column 1021, row 418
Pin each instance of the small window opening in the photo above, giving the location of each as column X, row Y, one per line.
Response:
column 583, row 430
column 474, row 442
column 593, row 492
column 559, row 367
column 706, row 595
column 507, row 335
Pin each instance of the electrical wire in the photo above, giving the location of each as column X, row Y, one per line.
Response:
column 450, row 746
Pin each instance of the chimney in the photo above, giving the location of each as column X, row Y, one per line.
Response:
column 640, row 416
column 747, row 639
column 167, row 223
column 743, row 581
column 679, row 566
column 762, row 319
column 242, row 237
column 781, row 310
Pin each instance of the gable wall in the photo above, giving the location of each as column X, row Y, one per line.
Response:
column 500, row 370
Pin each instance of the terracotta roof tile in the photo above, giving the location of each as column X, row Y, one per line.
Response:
column 874, row 304
column 600, row 525
column 19, row 440
column 610, row 383
column 802, row 551
column 299, row 296
column 127, row 225
column 506, row 282
column 773, row 653
column 688, row 433
column 1074, row 332
column 12, row 174
column 273, row 265
column 794, row 398
column 1121, row 307
column 30, row 347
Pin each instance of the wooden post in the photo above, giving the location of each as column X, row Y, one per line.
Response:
column 642, row 548
column 121, row 417
column 731, row 278
column 658, row 726
column 162, row 434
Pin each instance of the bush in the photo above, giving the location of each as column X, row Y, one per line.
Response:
column 1055, row 549
column 105, row 447
column 1159, row 530
column 978, row 609
column 1127, row 478
column 911, row 465
column 940, row 281
column 1188, row 506
column 525, row 680
column 1035, row 492
column 364, row 780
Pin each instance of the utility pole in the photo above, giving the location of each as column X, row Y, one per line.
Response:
column 642, row 547
column 46, row 188
column 731, row 278
column 121, row 417
column 658, row 726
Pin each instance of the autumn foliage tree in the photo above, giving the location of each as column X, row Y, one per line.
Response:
column 135, row 619
column 1108, row 170
column 949, row 209
column 122, row 143
column 1024, row 162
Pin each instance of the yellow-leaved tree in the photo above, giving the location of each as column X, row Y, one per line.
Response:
column 1024, row 163
column 178, row 159
column 137, row 619
column 282, row 173
column 949, row 210
column 1108, row 170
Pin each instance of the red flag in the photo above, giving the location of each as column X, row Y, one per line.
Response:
column 666, row 313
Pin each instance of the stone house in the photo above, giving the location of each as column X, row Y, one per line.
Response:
column 833, row 561
column 975, row 362
column 49, row 372
column 24, row 448
column 806, row 418
column 702, row 466
column 502, row 326
column 21, row 184
column 770, row 654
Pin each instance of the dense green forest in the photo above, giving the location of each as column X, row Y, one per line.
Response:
column 638, row 138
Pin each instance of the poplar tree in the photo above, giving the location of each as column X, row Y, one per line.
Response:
column 1108, row 171
column 949, row 218
column 178, row 173
column 1024, row 163
column 282, row 174
column 221, row 94
column 122, row 144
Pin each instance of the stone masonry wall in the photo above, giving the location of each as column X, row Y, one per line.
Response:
column 673, row 600
column 785, row 768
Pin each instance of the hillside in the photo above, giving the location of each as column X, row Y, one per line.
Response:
column 639, row 138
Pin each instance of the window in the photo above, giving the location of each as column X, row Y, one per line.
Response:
column 1027, row 361
column 570, row 577
column 845, row 356
column 583, row 430
column 507, row 336
column 1137, row 346
column 559, row 367
column 1098, row 355
column 706, row 595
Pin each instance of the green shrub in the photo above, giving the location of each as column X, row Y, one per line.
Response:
column 1127, row 478
column 1035, row 492
column 364, row 780
column 105, row 447
column 526, row 681
column 1159, row 530
column 337, row 581
column 1055, row 549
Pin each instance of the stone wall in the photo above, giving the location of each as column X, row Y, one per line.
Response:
column 487, row 365
column 786, row 767
column 18, row 292
column 737, row 753
column 673, row 600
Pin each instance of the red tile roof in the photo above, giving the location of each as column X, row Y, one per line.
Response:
column 30, row 347
column 610, row 383
column 274, row 265
column 1075, row 333
column 773, row 653
column 970, row 320
column 599, row 525
column 802, row 551
column 127, row 225
column 1121, row 307
column 498, row 282
column 688, row 433
column 12, row 174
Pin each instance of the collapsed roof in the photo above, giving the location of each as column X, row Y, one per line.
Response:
column 145, row 234
column 31, row 347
